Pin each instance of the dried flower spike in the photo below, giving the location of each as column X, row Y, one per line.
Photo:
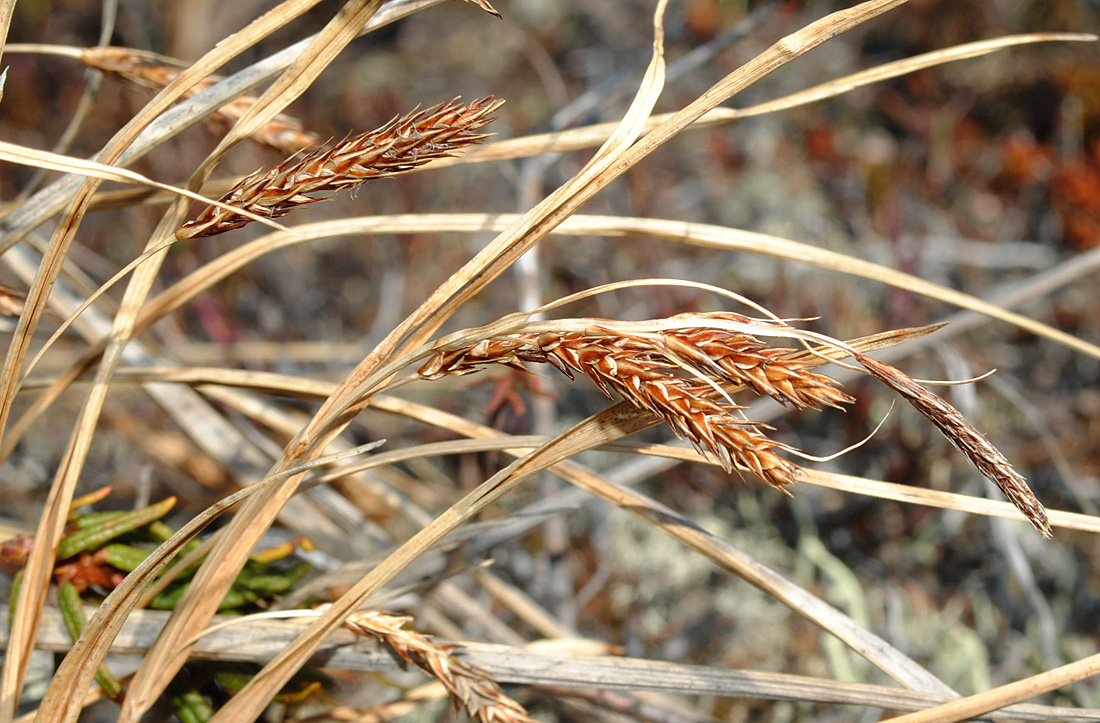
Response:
column 469, row 686
column 401, row 145
column 674, row 375
column 967, row 439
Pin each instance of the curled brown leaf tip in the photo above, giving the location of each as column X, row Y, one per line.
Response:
column 967, row 439
column 484, row 5
column 403, row 144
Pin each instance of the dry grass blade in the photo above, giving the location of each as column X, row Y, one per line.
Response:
column 337, row 412
column 46, row 160
column 590, row 136
column 976, row 705
column 690, row 233
column 229, row 555
column 310, row 388
column 613, row 424
column 142, row 280
column 256, row 640
column 7, row 7
column 683, row 376
column 77, row 203
column 873, row 649
column 470, row 687
column 967, row 439
column 283, row 133
column 696, row 234
column 403, row 144
column 733, row 239
column 622, row 420
column 892, row 491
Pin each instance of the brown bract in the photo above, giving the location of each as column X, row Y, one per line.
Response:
column 401, row 145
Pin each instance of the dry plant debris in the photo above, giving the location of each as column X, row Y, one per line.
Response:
column 472, row 688
column 403, row 144
column 675, row 374
column 284, row 133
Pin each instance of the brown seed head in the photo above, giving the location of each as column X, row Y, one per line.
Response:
column 673, row 375
column 470, row 687
column 401, row 145
column 967, row 439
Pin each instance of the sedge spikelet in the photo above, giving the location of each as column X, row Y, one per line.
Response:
column 469, row 687
column 401, row 145
column 673, row 375
column 967, row 439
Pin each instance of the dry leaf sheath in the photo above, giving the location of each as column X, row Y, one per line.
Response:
column 675, row 375
column 672, row 374
column 474, row 689
column 401, row 145
column 284, row 133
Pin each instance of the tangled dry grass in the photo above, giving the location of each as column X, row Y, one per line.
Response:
column 421, row 533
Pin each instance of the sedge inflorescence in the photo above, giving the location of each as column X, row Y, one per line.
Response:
column 469, row 686
column 684, row 376
column 403, row 144
column 674, row 375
